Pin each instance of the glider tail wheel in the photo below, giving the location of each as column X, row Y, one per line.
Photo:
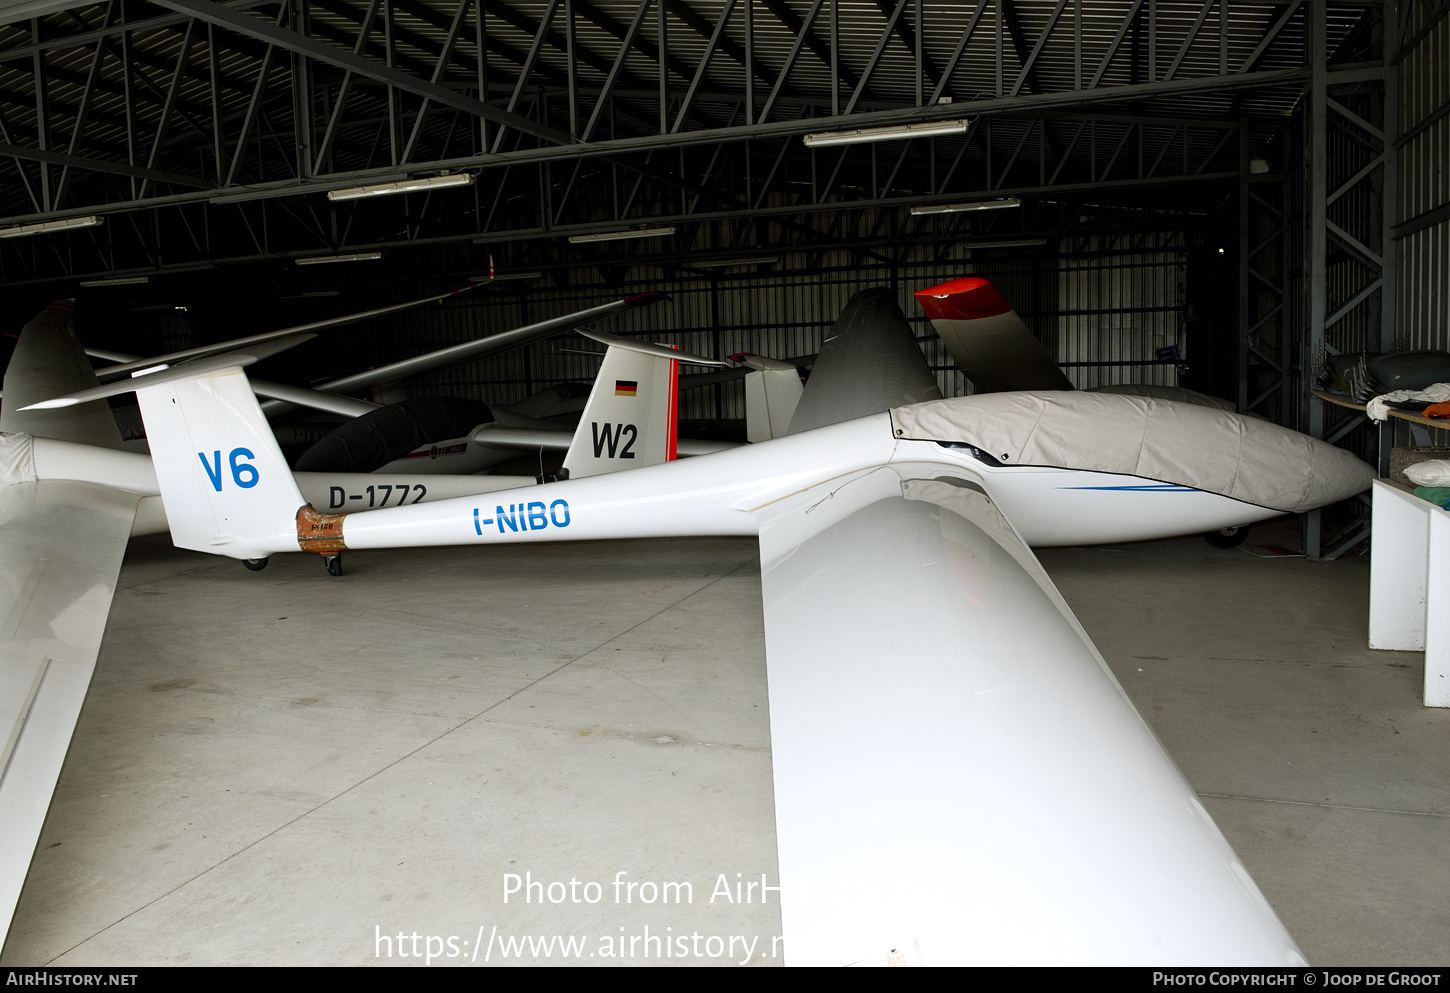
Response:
column 1227, row 537
column 255, row 565
column 333, row 563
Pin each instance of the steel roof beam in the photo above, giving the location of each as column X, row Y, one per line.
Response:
column 1009, row 16
column 165, row 122
column 351, row 13
column 1028, row 75
column 492, row 45
column 801, row 36
column 345, row 89
column 97, row 165
column 241, row 45
column 625, row 45
column 819, row 48
column 21, row 52
column 24, row 176
column 908, row 36
column 207, row 10
column 454, row 29
column 646, row 47
column 1117, row 43
column 79, row 124
column 253, row 107
column 530, row 64
column 731, row 48
column 1022, row 104
column 881, row 43
column 531, row 27
column 710, row 47
column 1262, row 48
column 1192, row 34
column 966, row 38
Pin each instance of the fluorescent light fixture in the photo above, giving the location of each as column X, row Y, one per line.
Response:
column 580, row 239
column 117, row 281
column 958, row 208
column 149, row 370
column 725, row 263
column 402, row 186
column 354, row 257
column 892, row 133
column 511, row 275
column 45, row 227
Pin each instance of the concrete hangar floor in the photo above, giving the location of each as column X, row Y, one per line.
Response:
column 285, row 768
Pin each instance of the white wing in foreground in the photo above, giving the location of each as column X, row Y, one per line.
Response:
column 959, row 779
column 61, row 545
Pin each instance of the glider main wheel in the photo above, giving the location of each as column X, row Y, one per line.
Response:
column 1227, row 537
column 256, row 565
column 333, row 563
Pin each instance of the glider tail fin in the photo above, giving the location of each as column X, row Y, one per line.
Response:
column 224, row 482
column 49, row 361
column 869, row 362
column 631, row 415
column 986, row 338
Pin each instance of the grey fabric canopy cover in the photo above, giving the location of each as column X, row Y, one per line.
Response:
column 1217, row 451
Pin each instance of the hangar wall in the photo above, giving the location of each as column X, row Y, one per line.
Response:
column 1424, row 254
column 1423, row 230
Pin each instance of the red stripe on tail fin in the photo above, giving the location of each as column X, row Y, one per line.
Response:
column 672, row 427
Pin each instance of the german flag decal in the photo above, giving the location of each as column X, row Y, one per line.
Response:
column 626, row 387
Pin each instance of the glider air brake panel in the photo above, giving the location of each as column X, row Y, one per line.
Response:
column 959, row 779
column 1246, row 459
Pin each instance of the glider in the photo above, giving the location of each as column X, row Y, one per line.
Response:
column 959, row 778
column 71, row 496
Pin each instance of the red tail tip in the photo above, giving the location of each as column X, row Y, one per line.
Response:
column 968, row 298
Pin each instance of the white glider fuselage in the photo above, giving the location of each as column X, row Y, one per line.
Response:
column 715, row 494
column 727, row 492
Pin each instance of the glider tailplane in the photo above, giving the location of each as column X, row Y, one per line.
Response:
column 630, row 418
column 773, row 388
column 225, row 485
